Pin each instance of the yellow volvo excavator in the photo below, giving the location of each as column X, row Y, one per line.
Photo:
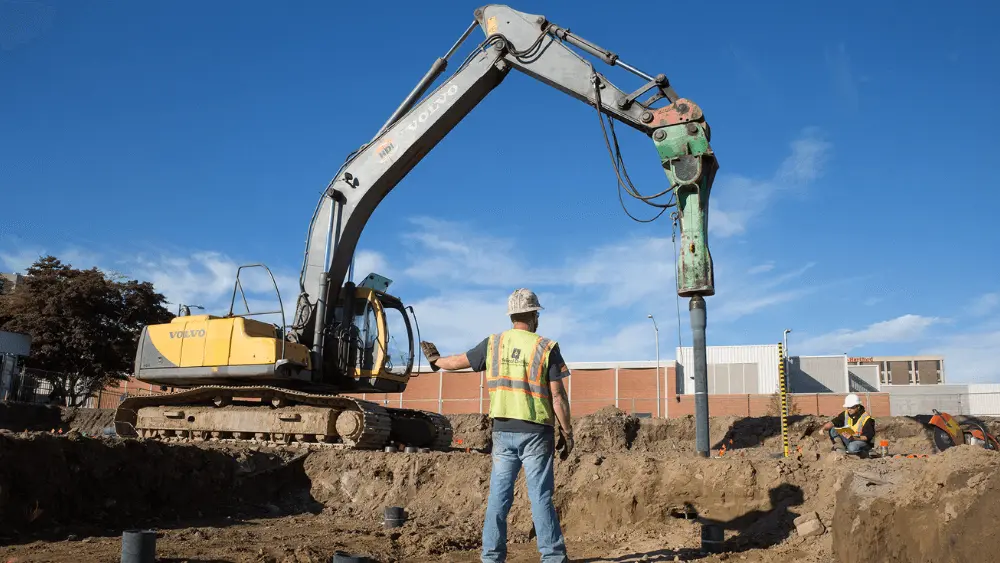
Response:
column 245, row 379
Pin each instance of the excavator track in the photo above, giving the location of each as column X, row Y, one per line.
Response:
column 442, row 426
column 279, row 416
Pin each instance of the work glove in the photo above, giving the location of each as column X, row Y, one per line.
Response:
column 431, row 353
column 564, row 444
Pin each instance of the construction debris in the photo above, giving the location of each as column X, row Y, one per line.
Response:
column 809, row 525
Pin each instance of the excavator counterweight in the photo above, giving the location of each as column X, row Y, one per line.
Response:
column 244, row 379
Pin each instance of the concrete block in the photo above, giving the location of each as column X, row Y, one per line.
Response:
column 805, row 517
column 809, row 525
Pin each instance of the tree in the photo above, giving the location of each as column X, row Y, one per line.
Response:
column 84, row 324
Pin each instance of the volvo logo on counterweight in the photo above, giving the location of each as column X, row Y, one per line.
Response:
column 187, row 333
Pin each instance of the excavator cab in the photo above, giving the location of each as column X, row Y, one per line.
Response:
column 375, row 347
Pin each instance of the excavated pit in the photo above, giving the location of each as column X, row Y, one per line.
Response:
column 632, row 489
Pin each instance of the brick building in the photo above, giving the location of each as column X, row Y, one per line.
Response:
column 905, row 370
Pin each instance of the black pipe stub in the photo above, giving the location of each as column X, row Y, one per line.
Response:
column 712, row 538
column 138, row 546
column 344, row 557
column 393, row 516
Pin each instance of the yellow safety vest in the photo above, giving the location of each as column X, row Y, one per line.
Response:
column 857, row 426
column 517, row 367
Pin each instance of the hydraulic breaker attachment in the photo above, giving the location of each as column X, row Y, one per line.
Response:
column 682, row 140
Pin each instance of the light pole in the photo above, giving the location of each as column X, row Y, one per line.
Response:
column 784, row 338
column 656, row 332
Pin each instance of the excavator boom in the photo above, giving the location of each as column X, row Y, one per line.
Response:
column 249, row 380
column 530, row 44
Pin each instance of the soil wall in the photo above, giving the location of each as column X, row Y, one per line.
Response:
column 50, row 481
column 629, row 480
column 945, row 510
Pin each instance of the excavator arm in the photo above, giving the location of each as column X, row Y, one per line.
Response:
column 244, row 379
column 538, row 48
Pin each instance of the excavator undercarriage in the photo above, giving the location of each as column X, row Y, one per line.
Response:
column 280, row 416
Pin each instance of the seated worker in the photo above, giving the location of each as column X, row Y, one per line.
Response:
column 852, row 430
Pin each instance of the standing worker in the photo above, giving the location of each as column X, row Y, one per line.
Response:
column 852, row 430
column 524, row 373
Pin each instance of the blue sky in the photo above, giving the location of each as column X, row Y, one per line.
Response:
column 854, row 204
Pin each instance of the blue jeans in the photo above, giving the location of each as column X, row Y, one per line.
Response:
column 536, row 452
column 853, row 446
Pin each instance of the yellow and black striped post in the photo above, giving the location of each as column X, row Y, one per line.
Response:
column 783, row 388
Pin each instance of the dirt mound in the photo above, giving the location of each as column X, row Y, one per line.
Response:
column 607, row 430
column 613, row 430
column 91, row 422
column 471, row 431
column 50, row 481
column 18, row 417
column 596, row 495
column 943, row 509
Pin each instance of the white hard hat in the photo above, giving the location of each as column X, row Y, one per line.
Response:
column 522, row 301
column 851, row 400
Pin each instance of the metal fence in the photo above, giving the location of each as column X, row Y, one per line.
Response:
column 28, row 386
column 33, row 386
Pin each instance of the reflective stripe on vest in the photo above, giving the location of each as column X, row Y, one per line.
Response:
column 857, row 426
column 517, row 363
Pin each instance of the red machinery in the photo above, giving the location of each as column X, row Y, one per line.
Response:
column 949, row 432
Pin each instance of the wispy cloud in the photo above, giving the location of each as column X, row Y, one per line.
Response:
column 905, row 328
column 761, row 268
column 984, row 305
column 751, row 69
column 737, row 199
column 839, row 63
column 737, row 299
column 443, row 253
column 447, row 254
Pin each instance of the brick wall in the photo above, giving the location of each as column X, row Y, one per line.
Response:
column 631, row 389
